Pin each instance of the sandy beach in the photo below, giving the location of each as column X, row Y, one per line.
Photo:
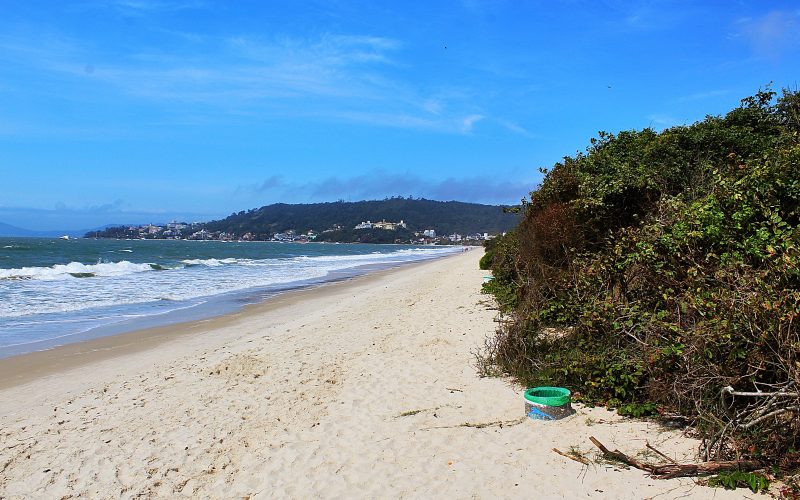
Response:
column 366, row 388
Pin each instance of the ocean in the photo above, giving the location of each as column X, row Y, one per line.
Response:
column 57, row 291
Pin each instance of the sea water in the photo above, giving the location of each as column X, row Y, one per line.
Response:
column 56, row 291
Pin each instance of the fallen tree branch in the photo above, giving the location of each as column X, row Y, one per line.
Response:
column 668, row 471
column 620, row 457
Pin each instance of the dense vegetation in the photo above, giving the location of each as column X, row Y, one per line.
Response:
column 658, row 268
column 445, row 217
column 335, row 222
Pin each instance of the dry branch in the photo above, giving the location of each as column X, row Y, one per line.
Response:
column 668, row 471
column 665, row 457
column 730, row 390
column 620, row 457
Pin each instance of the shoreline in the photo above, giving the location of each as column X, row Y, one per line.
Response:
column 364, row 388
column 23, row 368
column 122, row 317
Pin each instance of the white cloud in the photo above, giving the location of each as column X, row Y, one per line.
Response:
column 433, row 106
column 663, row 121
column 772, row 34
column 348, row 77
column 467, row 123
column 152, row 6
column 515, row 127
column 379, row 184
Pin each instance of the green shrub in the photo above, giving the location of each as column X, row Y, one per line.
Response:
column 638, row 410
column 738, row 479
column 486, row 261
column 657, row 268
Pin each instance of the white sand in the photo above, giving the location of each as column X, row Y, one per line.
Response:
column 304, row 398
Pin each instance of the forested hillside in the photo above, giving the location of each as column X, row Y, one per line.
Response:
column 444, row 217
column 659, row 273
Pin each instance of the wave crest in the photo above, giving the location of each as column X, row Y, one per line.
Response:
column 74, row 270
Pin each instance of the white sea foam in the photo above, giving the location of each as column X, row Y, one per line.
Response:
column 68, row 289
column 209, row 262
column 399, row 255
column 65, row 271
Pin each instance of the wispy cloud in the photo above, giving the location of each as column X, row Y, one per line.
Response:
column 270, row 183
column 647, row 15
column 515, row 127
column 771, row 35
column 663, row 121
column 433, row 106
column 345, row 77
column 379, row 184
column 468, row 122
column 144, row 7
column 241, row 69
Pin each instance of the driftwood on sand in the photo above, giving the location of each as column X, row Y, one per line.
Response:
column 673, row 469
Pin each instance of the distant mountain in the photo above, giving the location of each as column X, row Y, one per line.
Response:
column 445, row 217
column 7, row 230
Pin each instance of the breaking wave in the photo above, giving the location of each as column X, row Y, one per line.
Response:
column 75, row 270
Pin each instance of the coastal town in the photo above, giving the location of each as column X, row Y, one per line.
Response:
column 197, row 231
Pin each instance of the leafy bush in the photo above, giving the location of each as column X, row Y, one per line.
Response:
column 738, row 479
column 659, row 268
column 505, row 282
column 638, row 410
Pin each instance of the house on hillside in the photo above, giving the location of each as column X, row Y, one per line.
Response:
column 383, row 224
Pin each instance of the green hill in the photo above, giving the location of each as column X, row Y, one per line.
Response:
column 445, row 217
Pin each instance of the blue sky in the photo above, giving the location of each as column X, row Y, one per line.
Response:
column 124, row 111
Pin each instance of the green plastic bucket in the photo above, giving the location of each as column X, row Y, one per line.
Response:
column 548, row 403
column 548, row 396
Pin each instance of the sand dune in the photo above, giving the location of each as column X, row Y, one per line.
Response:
column 357, row 389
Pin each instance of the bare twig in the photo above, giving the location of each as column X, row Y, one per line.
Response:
column 729, row 390
column 771, row 414
column 665, row 457
column 577, row 458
